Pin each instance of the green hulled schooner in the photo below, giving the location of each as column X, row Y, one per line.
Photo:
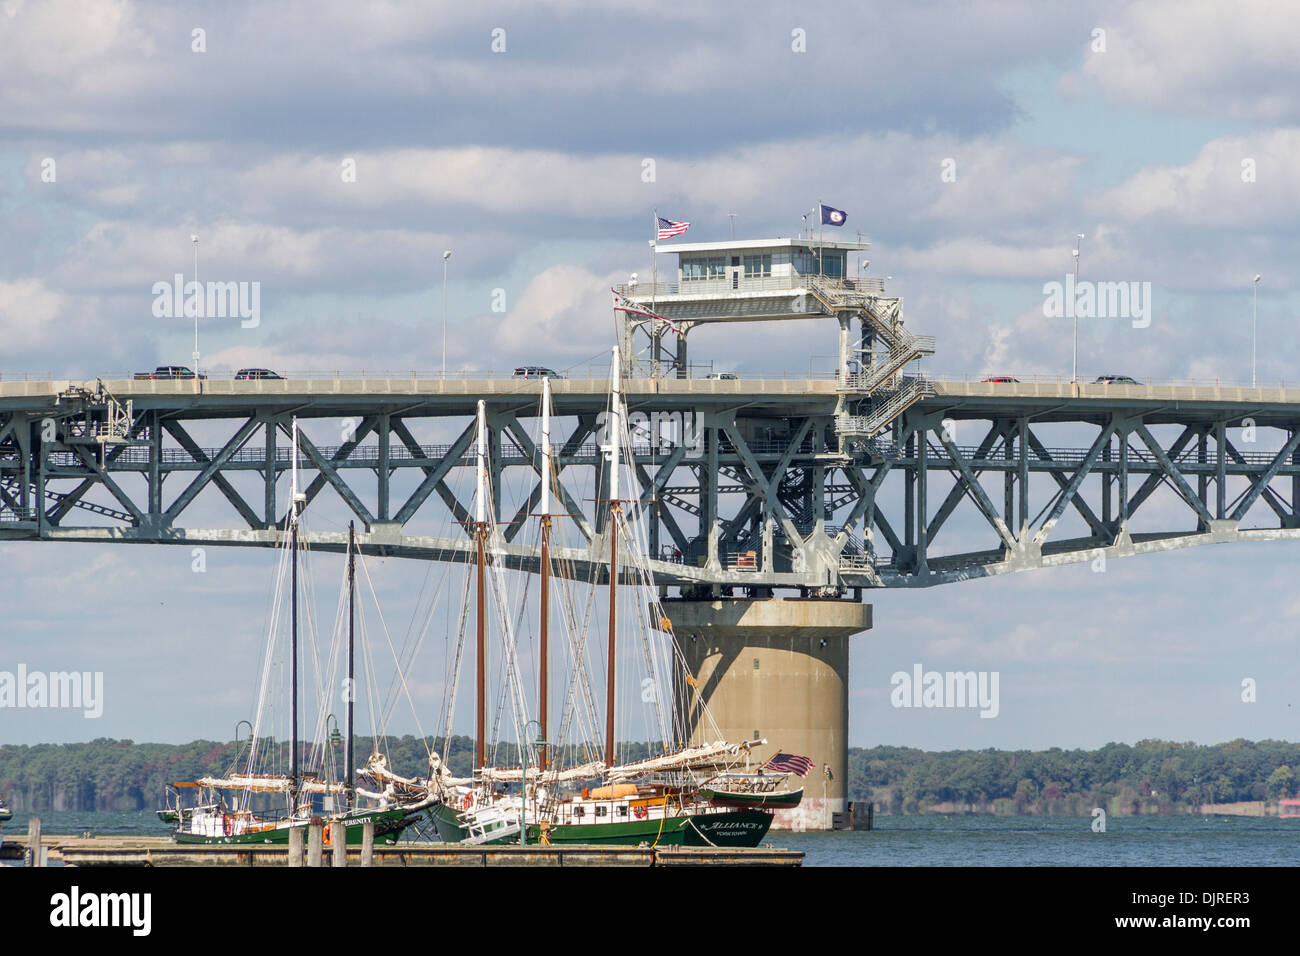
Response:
column 221, row 812
column 701, row 794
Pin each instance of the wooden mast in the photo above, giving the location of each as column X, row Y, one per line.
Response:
column 615, row 433
column 480, row 705
column 546, row 564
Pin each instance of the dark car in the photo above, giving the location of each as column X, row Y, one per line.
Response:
column 1002, row 380
column 1115, row 380
column 169, row 371
column 245, row 374
column 535, row 371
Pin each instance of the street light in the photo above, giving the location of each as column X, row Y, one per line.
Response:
column 445, row 256
column 198, row 302
column 1074, row 376
column 1253, row 311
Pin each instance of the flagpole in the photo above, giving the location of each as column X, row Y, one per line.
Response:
column 820, row 217
column 654, row 288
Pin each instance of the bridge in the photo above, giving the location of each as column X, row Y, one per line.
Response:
column 752, row 494
column 773, row 505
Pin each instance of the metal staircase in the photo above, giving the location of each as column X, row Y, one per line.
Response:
column 884, row 413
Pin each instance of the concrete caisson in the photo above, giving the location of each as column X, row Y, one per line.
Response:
column 777, row 669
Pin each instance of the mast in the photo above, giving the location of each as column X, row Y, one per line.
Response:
column 293, row 614
column 480, row 532
column 614, row 433
column 546, row 561
column 352, row 684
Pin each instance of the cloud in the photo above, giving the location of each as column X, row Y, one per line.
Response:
column 1250, row 182
column 1228, row 61
column 28, row 314
column 565, row 311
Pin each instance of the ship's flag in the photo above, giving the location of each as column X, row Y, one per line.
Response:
column 832, row 216
column 789, row 763
column 671, row 227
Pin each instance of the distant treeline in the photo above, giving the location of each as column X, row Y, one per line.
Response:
column 1151, row 776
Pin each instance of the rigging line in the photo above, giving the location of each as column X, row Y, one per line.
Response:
column 413, row 640
column 501, row 604
column 579, row 701
column 372, row 685
column 277, row 606
column 321, row 749
column 452, row 680
column 410, row 651
column 388, row 638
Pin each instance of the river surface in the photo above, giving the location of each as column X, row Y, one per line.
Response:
column 944, row 840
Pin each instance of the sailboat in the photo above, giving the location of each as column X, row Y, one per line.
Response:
column 216, row 818
column 695, row 794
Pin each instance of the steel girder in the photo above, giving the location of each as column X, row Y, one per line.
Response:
column 763, row 502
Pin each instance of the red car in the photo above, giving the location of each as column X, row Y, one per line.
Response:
column 1002, row 380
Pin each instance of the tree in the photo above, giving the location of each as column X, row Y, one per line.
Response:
column 1281, row 783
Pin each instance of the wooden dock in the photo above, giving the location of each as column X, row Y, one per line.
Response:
column 110, row 851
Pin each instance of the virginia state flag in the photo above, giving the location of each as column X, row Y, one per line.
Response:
column 832, row 216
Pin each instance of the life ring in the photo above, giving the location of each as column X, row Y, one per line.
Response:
column 326, row 838
column 225, row 824
column 469, row 801
column 640, row 813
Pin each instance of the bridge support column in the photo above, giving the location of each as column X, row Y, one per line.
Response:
column 777, row 669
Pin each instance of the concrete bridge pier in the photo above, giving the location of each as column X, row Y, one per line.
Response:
column 778, row 669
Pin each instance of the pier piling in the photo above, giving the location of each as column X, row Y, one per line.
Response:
column 33, row 856
column 339, row 842
column 368, row 843
column 315, row 843
column 295, row 846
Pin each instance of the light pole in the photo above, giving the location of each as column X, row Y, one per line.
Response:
column 198, row 302
column 445, row 256
column 1253, row 311
column 1074, row 307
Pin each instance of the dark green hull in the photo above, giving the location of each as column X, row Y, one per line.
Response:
column 736, row 828
column 780, row 800
column 389, row 825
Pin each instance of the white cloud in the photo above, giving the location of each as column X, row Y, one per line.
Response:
column 1236, row 60
column 29, row 311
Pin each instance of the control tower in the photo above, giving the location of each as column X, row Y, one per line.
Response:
column 781, row 280
column 767, row 666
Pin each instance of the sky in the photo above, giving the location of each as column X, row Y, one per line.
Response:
column 332, row 151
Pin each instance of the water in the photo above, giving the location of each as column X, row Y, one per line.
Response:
column 1054, row 841
column 944, row 841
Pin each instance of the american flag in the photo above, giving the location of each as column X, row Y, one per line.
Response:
column 671, row 227
column 789, row 763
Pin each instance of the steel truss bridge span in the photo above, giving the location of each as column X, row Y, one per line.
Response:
column 748, row 487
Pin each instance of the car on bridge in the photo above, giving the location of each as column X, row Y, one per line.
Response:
column 168, row 371
column 722, row 376
column 249, row 374
column 1115, row 380
column 1000, row 380
column 535, row 371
